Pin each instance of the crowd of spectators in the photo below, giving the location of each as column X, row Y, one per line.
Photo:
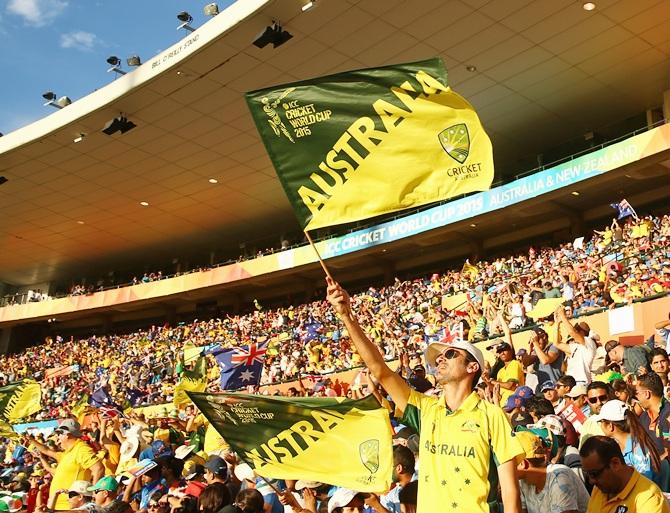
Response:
column 567, row 387
column 631, row 264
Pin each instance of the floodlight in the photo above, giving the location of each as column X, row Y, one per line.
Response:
column 79, row 138
column 63, row 101
column 118, row 124
column 185, row 18
column 115, row 64
column 59, row 103
column 306, row 7
column 211, row 9
column 133, row 60
column 272, row 34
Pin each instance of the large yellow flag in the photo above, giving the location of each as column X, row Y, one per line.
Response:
column 363, row 143
column 20, row 399
column 337, row 441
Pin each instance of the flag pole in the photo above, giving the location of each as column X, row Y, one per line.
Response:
column 323, row 264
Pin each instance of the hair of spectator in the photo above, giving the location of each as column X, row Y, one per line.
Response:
column 619, row 385
column 405, row 458
column 640, row 436
column 652, row 382
column 601, row 385
column 408, row 493
column 214, row 497
column 250, row 501
column 566, row 380
column 605, row 447
column 657, row 351
column 540, row 406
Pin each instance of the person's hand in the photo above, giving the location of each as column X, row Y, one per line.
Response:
column 288, row 499
column 309, row 498
column 641, row 371
column 372, row 500
column 338, row 298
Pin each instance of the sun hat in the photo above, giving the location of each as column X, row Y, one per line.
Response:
column 107, row 483
column 243, row 472
column 578, row 390
column 613, row 411
column 532, row 445
column 437, row 348
column 547, row 385
column 81, row 487
column 69, row 426
column 300, row 484
column 551, row 422
column 341, row 498
column 217, row 465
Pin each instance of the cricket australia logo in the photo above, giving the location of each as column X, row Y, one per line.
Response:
column 275, row 122
column 455, row 140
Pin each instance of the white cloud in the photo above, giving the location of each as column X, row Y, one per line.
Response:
column 79, row 40
column 37, row 12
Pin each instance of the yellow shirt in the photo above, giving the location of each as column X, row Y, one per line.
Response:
column 589, row 428
column 640, row 495
column 214, row 442
column 513, row 371
column 73, row 465
column 459, row 452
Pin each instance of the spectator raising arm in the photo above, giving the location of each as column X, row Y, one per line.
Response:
column 391, row 381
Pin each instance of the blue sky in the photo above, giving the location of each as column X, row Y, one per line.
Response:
column 62, row 46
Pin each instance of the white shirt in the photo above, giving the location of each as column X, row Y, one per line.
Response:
column 580, row 360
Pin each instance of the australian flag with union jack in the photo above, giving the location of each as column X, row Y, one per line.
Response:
column 240, row 366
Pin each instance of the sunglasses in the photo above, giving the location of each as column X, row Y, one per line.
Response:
column 450, row 354
column 600, row 398
column 72, row 495
column 593, row 474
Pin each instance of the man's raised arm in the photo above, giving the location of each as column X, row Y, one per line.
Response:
column 392, row 382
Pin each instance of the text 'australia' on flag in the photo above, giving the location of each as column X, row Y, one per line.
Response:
column 332, row 440
column 359, row 144
column 240, row 366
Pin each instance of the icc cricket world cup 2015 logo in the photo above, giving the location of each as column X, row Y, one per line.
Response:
column 275, row 122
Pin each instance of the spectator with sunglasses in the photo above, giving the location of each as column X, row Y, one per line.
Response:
column 597, row 394
column 79, row 497
column 156, row 505
column 461, row 434
column 618, row 488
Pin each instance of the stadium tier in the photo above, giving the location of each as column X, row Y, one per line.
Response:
column 481, row 323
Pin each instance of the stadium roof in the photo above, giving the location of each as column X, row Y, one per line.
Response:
column 546, row 71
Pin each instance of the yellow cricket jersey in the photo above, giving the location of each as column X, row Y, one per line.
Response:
column 460, row 451
column 72, row 466
column 513, row 371
column 640, row 495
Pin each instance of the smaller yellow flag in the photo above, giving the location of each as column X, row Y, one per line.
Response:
column 545, row 307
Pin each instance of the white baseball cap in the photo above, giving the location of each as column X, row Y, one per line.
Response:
column 437, row 348
column 613, row 411
column 341, row 498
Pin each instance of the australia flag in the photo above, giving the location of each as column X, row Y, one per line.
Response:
column 623, row 209
column 102, row 399
column 240, row 366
